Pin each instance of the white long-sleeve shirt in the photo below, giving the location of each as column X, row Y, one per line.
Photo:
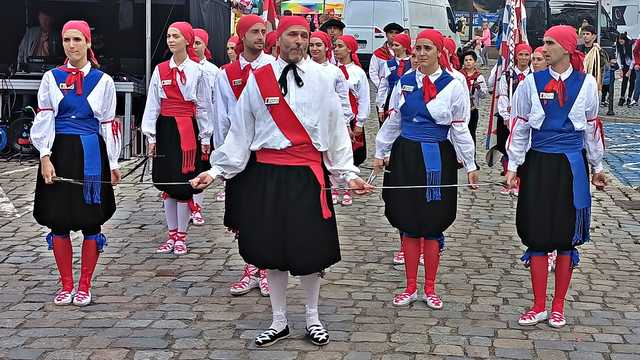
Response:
column 529, row 114
column 103, row 104
column 447, row 108
column 359, row 87
column 196, row 89
column 342, row 89
column 479, row 92
column 504, row 103
column 253, row 128
column 383, row 87
column 376, row 69
column 211, row 71
column 226, row 100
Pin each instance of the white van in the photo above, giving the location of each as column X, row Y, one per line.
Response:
column 626, row 16
column 365, row 20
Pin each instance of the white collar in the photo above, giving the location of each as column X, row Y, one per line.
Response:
column 85, row 69
column 564, row 76
column 433, row 77
column 172, row 63
column 244, row 62
column 301, row 65
column 518, row 71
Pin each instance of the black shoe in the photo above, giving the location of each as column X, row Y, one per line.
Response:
column 628, row 102
column 621, row 102
column 271, row 337
column 318, row 335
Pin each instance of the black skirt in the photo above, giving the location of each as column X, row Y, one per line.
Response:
column 546, row 216
column 282, row 225
column 60, row 206
column 502, row 135
column 167, row 166
column 360, row 154
column 408, row 209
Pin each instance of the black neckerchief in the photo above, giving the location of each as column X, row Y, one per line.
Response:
column 283, row 78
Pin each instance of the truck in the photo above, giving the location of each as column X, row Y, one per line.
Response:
column 365, row 20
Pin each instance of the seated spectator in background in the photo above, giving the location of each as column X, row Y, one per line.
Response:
column 41, row 40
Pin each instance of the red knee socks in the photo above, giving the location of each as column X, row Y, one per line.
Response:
column 411, row 248
column 63, row 253
column 539, row 272
column 563, row 278
column 431, row 248
column 89, row 260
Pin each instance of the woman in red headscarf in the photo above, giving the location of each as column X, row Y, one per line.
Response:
column 320, row 49
column 200, row 42
column 345, row 52
column 555, row 135
column 178, row 127
column 77, row 138
column 232, row 43
column 426, row 110
column 538, row 62
column 392, row 71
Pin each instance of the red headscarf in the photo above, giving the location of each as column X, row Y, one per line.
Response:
column 83, row 27
column 438, row 41
column 187, row 32
column 539, row 50
column 289, row 21
column 326, row 40
column 352, row 45
column 204, row 36
column 244, row 24
column 428, row 88
column 450, row 46
column 270, row 42
column 404, row 40
column 566, row 37
column 522, row 47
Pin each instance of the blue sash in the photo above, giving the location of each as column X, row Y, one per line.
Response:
column 418, row 125
column 558, row 136
column 75, row 117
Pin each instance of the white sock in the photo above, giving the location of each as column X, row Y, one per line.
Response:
column 199, row 198
column 278, row 281
column 311, row 284
column 170, row 212
column 184, row 215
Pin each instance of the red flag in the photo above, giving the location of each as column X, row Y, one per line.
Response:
column 269, row 9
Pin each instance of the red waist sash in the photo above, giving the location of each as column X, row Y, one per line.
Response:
column 299, row 155
column 183, row 112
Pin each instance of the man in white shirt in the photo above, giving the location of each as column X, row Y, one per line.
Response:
column 292, row 133
column 515, row 77
column 555, row 135
column 383, row 54
column 230, row 83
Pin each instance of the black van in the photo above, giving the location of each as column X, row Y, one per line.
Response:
column 542, row 14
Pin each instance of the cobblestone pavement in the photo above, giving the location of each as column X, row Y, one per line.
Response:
column 150, row 306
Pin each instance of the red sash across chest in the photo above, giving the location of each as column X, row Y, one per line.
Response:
column 302, row 152
column 183, row 111
column 237, row 77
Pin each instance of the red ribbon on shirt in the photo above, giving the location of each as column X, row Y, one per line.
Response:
column 599, row 129
column 558, row 87
column 429, row 89
column 400, row 70
column 520, row 77
column 75, row 77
